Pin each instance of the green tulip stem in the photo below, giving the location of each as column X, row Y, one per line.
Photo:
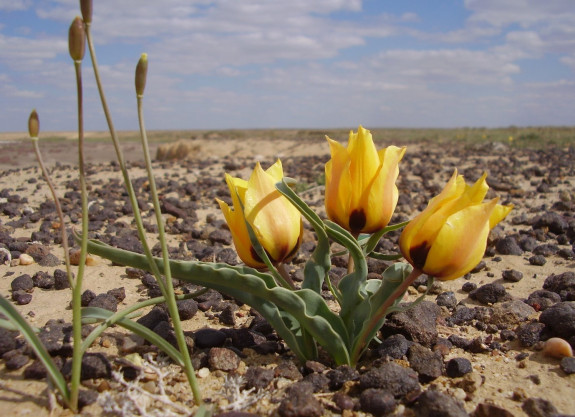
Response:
column 77, row 287
column 281, row 268
column 58, row 210
column 350, row 264
column 120, row 157
column 381, row 313
column 168, row 289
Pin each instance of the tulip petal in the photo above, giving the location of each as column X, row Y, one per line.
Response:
column 276, row 171
column 275, row 220
column 364, row 164
column 237, row 224
column 499, row 213
column 461, row 243
column 380, row 197
column 337, row 184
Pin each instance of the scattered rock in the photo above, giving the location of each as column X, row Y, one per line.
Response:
column 418, row 324
column 376, row 401
column 538, row 407
column 394, row 346
column 568, row 365
column 223, row 359
column 300, row 402
column 22, row 283
column 434, row 403
column 510, row 313
column 559, row 320
column 427, row 363
column 490, row 410
column 457, row 367
column 489, row 293
column 391, row 377
column 512, row 275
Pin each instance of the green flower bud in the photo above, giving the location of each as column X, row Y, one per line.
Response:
column 33, row 124
column 77, row 39
column 141, row 74
column 86, row 7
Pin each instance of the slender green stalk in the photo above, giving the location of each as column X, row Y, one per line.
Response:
column 120, row 157
column 77, row 288
column 65, row 245
column 288, row 282
column 169, row 290
column 381, row 312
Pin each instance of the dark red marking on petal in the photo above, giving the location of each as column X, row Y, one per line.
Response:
column 357, row 220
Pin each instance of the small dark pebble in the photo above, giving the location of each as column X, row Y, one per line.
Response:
column 457, row 367
column 300, row 402
column 459, row 341
column 319, row 382
column 508, row 246
column 22, row 283
column 289, row 370
column 223, row 359
column 258, row 377
column 521, row 356
column 395, row 346
column 86, row 397
column 94, row 365
column 446, row 299
column 507, row 335
column 187, row 309
column 21, row 297
column 105, row 301
column 228, row 314
column 340, row 375
column 118, row 293
column 43, row 280
column 490, row 410
column 14, row 360
column 391, row 377
column 7, row 340
column 153, row 317
column 468, row 286
column 512, row 275
column 489, row 293
column 537, row 260
column 427, row 363
column 538, row 407
column 343, row 401
column 568, row 365
column 87, row 297
column 434, row 404
column 418, row 324
column 246, row 338
column 37, row 371
column 377, row 401
column 61, row 279
column 559, row 320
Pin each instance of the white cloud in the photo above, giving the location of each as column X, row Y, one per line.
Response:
column 14, row 5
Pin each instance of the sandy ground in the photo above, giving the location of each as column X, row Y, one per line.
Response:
column 504, row 380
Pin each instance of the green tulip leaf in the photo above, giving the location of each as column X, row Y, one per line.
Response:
column 371, row 242
column 385, row 257
column 284, row 309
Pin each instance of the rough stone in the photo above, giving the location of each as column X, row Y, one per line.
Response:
column 559, row 320
column 391, row 377
column 427, row 363
column 418, row 324
column 377, row 401
column 457, row 367
column 434, row 404
column 223, row 359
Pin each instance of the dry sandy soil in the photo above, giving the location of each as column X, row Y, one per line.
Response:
column 506, row 382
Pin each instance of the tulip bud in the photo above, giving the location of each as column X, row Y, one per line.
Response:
column 360, row 190
column 77, row 39
column 86, row 7
column 448, row 239
column 141, row 74
column 277, row 224
column 33, row 124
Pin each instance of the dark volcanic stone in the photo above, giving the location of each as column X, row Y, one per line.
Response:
column 61, row 280
column 512, row 275
column 258, row 377
column 436, row 404
column 541, row 300
column 319, row 382
column 223, row 359
column 510, row 312
column 537, row 260
column 187, row 309
column 395, row 346
column 446, row 299
column 94, row 365
column 15, row 360
column 22, row 283
column 118, row 293
column 554, row 221
column 538, row 407
column 246, row 338
column 228, row 314
column 529, row 333
column 105, row 301
column 468, row 286
column 153, row 317
column 43, row 280
column 427, row 363
column 300, row 402
column 490, row 410
column 461, row 315
column 508, row 246
column 7, row 340
column 489, row 293
column 289, row 370
column 86, row 397
column 208, row 338
column 21, row 297
column 563, row 284
column 457, row 367
column 546, row 250
column 417, row 324
column 568, row 365
column 340, row 375
column 87, row 297
column 559, row 320
column 37, row 371
column 376, row 401
column 391, row 377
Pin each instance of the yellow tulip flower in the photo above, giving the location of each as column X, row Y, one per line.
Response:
column 448, row 239
column 276, row 222
column 360, row 190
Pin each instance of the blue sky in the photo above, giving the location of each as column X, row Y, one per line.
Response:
column 221, row 64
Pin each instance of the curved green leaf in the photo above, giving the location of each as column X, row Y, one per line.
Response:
column 370, row 243
column 260, row 291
